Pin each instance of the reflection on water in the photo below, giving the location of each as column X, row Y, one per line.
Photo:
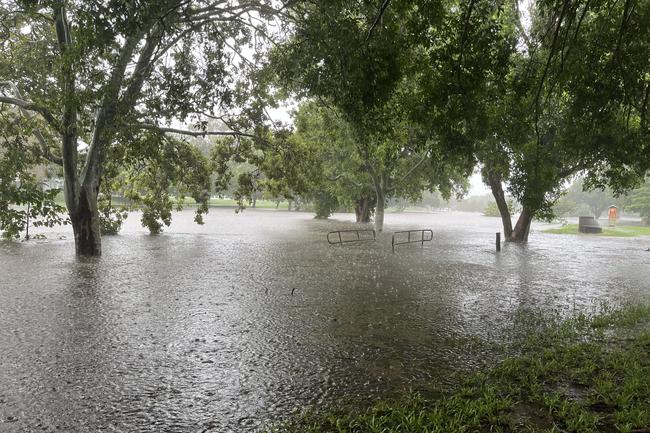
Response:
column 228, row 326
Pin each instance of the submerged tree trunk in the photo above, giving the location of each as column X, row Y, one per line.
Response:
column 522, row 228
column 85, row 224
column 379, row 212
column 363, row 209
column 380, row 192
column 500, row 198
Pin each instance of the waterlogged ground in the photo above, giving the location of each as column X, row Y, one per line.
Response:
column 251, row 317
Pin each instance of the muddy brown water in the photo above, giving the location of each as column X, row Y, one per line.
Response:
column 197, row 329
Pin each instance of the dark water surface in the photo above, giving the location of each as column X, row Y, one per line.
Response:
column 197, row 330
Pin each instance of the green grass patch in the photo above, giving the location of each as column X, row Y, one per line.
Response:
column 619, row 231
column 188, row 201
column 587, row 374
column 226, row 202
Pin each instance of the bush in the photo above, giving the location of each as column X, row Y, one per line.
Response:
column 111, row 218
column 492, row 210
column 324, row 204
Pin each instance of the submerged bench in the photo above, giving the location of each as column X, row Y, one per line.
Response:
column 339, row 239
column 414, row 236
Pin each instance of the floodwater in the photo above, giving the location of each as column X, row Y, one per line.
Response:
column 241, row 322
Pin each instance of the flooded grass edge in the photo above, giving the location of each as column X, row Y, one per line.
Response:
column 617, row 231
column 588, row 373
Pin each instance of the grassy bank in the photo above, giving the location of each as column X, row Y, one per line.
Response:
column 619, row 231
column 587, row 374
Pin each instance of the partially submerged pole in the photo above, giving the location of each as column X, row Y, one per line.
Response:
column 28, row 211
column 498, row 241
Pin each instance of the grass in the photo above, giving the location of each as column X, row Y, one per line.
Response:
column 214, row 202
column 583, row 375
column 618, row 231
column 225, row 202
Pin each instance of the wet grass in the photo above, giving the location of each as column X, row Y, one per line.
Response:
column 619, row 231
column 213, row 202
column 585, row 374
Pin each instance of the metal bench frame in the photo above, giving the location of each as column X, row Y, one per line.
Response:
column 341, row 241
column 421, row 239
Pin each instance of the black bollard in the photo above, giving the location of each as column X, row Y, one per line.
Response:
column 28, row 211
column 498, row 241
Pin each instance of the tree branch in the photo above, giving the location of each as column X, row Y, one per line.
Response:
column 380, row 13
column 69, row 119
column 163, row 129
column 105, row 116
column 551, row 54
column 141, row 71
column 345, row 177
column 30, row 106
column 409, row 173
column 45, row 150
column 25, row 107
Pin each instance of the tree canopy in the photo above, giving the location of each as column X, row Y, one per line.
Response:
column 395, row 97
column 574, row 101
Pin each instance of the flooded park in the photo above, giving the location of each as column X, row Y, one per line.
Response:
column 253, row 317
column 284, row 216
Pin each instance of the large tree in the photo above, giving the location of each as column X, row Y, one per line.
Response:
column 359, row 58
column 323, row 159
column 573, row 101
column 113, row 73
column 324, row 165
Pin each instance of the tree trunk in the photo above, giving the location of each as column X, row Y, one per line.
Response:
column 379, row 212
column 381, row 202
column 362, row 210
column 500, row 198
column 85, row 224
column 289, row 205
column 522, row 228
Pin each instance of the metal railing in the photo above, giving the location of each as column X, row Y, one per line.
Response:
column 412, row 239
column 358, row 238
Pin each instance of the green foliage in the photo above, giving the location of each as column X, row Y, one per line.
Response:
column 235, row 162
column 597, row 200
column 22, row 195
column 324, row 204
column 564, row 207
column 640, row 202
column 409, row 97
column 111, row 218
column 493, row 211
column 156, row 212
column 149, row 174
